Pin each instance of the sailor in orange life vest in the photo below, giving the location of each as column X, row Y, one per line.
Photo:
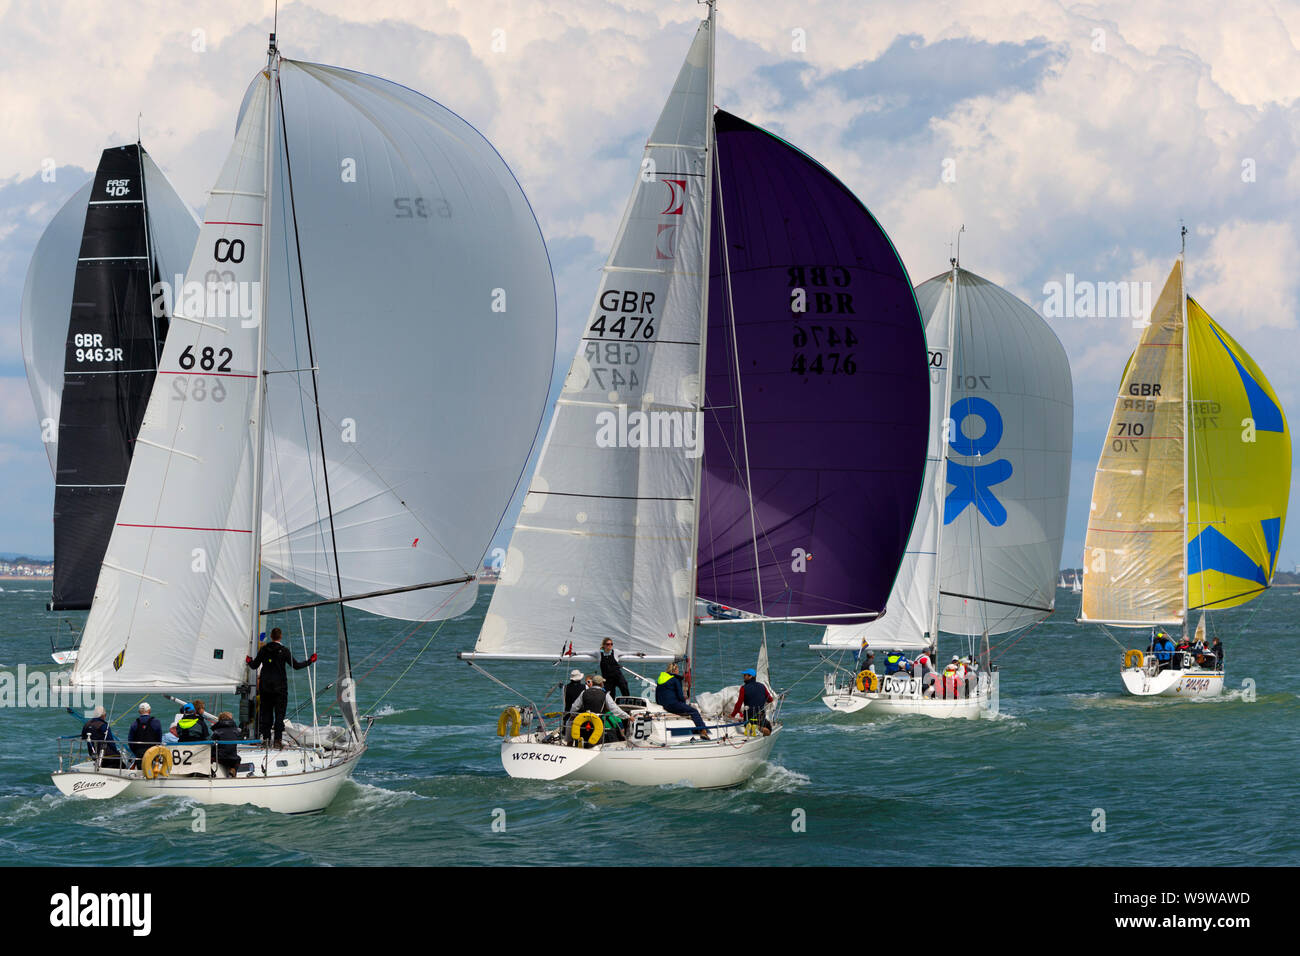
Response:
column 754, row 697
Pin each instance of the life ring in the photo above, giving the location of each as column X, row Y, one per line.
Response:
column 156, row 762
column 1131, row 655
column 866, row 681
column 509, row 722
column 597, row 728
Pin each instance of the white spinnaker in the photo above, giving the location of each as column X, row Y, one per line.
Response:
column 432, row 309
column 908, row 621
column 603, row 547
column 998, row 573
column 47, row 292
column 174, row 602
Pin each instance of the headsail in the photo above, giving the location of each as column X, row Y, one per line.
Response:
column 1239, row 469
column 613, row 496
column 833, row 384
column 1134, row 547
column 92, row 332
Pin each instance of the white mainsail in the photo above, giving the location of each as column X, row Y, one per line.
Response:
column 174, row 606
column 47, row 291
column 614, row 497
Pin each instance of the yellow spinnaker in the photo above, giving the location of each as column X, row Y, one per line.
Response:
column 1239, row 469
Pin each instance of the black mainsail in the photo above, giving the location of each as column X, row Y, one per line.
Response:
column 110, row 361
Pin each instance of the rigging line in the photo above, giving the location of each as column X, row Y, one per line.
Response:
column 311, row 355
column 1003, row 647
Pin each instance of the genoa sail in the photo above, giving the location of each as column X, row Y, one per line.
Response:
column 831, row 381
column 603, row 546
column 1239, row 469
column 92, row 333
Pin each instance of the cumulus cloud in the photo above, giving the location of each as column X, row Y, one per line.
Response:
column 1079, row 135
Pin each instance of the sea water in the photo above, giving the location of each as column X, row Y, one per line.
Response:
column 1071, row 771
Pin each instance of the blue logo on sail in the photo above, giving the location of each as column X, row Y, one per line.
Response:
column 973, row 484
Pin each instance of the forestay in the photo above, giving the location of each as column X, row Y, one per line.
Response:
column 603, row 547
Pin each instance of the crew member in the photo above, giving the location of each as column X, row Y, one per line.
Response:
column 227, row 753
column 671, row 697
column 595, row 699
column 753, row 700
column 952, row 677
column 611, row 669
column 145, row 732
column 191, row 727
column 273, row 689
column 100, row 741
column 894, row 662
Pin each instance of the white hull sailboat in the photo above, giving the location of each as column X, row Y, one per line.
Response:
column 293, row 780
column 985, row 547
column 1190, row 498
column 338, row 380
column 661, row 749
column 750, row 306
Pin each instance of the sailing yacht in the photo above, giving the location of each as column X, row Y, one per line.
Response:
column 1190, row 497
column 92, row 331
column 986, row 545
column 710, row 443
column 325, row 377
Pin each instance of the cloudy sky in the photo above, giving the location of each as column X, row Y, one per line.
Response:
column 1069, row 138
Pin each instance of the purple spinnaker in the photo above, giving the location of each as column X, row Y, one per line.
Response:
column 836, row 396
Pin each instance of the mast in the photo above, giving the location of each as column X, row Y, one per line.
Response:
column 272, row 72
column 941, row 476
column 1187, row 400
column 710, row 144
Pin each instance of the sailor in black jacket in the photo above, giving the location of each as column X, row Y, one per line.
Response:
column 273, row 689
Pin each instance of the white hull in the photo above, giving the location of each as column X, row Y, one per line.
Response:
column 303, row 791
column 904, row 697
column 727, row 761
column 1193, row 682
column 65, row 657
